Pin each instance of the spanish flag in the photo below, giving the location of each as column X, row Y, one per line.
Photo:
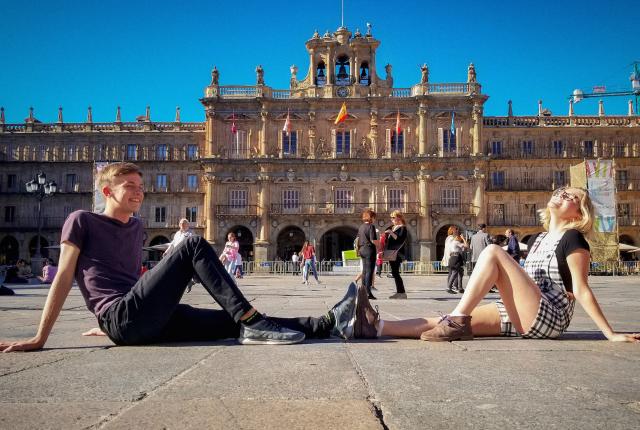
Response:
column 342, row 115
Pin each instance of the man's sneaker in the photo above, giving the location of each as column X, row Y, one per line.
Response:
column 398, row 296
column 450, row 328
column 366, row 317
column 344, row 313
column 268, row 332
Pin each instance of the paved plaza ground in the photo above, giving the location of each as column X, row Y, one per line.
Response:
column 580, row 381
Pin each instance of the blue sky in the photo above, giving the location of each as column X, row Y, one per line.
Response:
column 159, row 53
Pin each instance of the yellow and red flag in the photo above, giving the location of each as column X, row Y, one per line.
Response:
column 398, row 128
column 342, row 115
column 287, row 124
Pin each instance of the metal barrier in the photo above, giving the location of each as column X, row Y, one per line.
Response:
column 327, row 267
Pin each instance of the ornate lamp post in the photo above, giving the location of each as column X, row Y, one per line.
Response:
column 39, row 188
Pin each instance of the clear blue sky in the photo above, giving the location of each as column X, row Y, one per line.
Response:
column 159, row 53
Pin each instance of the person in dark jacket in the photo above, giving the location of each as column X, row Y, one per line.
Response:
column 513, row 247
column 396, row 241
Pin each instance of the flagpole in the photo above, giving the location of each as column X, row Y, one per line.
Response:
column 342, row 14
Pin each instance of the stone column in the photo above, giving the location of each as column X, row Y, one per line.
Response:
column 425, row 237
column 422, row 130
column 210, row 201
column 210, row 147
column 264, row 115
column 479, row 196
column 477, row 129
column 261, row 246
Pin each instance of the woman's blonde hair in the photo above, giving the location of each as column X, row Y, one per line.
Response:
column 585, row 224
column 398, row 214
column 452, row 229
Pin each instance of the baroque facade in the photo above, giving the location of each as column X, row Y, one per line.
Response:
column 240, row 171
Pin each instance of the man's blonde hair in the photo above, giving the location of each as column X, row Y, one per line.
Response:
column 111, row 171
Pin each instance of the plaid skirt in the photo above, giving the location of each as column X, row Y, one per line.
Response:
column 553, row 319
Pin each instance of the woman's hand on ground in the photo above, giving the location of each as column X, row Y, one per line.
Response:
column 625, row 337
column 21, row 345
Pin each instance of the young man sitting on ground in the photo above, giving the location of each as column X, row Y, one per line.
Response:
column 104, row 254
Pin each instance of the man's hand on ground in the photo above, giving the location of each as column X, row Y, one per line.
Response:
column 94, row 332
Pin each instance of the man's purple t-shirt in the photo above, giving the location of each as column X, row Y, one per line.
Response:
column 110, row 256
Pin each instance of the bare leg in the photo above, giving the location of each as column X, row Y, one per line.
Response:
column 485, row 321
column 521, row 296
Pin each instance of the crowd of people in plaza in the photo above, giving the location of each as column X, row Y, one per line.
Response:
column 535, row 301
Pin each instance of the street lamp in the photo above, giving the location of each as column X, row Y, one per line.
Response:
column 578, row 95
column 39, row 188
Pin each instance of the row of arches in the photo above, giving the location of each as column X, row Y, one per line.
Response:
column 10, row 248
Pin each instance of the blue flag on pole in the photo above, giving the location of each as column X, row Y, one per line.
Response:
column 453, row 125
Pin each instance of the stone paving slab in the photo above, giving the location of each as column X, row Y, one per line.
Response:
column 580, row 381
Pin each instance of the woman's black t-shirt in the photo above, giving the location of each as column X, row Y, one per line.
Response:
column 571, row 240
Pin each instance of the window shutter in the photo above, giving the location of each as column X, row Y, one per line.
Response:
column 298, row 140
column 441, row 142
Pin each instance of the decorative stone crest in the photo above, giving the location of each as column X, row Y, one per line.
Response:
column 396, row 174
column 344, row 175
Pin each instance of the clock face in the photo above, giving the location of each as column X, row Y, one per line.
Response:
column 342, row 92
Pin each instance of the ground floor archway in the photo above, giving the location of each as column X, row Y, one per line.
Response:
column 158, row 240
column 441, row 236
column 9, row 250
column 334, row 241
column 245, row 240
column 33, row 244
column 290, row 240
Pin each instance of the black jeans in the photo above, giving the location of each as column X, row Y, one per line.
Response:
column 368, row 255
column 151, row 311
column 456, row 272
column 395, row 272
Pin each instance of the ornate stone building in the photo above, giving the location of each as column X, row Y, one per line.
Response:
column 426, row 150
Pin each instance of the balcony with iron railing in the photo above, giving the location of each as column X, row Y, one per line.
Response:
column 521, row 184
column 344, row 208
column 628, row 220
column 629, row 184
column 22, row 223
column 542, row 150
column 511, row 219
column 223, row 211
column 439, row 209
column 171, row 222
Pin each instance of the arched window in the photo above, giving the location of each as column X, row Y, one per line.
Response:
column 343, row 68
column 363, row 78
column 321, row 76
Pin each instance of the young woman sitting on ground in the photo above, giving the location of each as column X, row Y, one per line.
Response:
column 536, row 301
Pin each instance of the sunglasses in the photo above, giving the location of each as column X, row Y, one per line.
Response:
column 564, row 195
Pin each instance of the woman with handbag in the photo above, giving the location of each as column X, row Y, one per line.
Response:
column 394, row 251
column 367, row 247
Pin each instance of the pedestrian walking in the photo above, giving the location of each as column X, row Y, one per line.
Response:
column 230, row 252
column 454, row 247
column 308, row 257
column 478, row 243
column 513, row 246
column 295, row 261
